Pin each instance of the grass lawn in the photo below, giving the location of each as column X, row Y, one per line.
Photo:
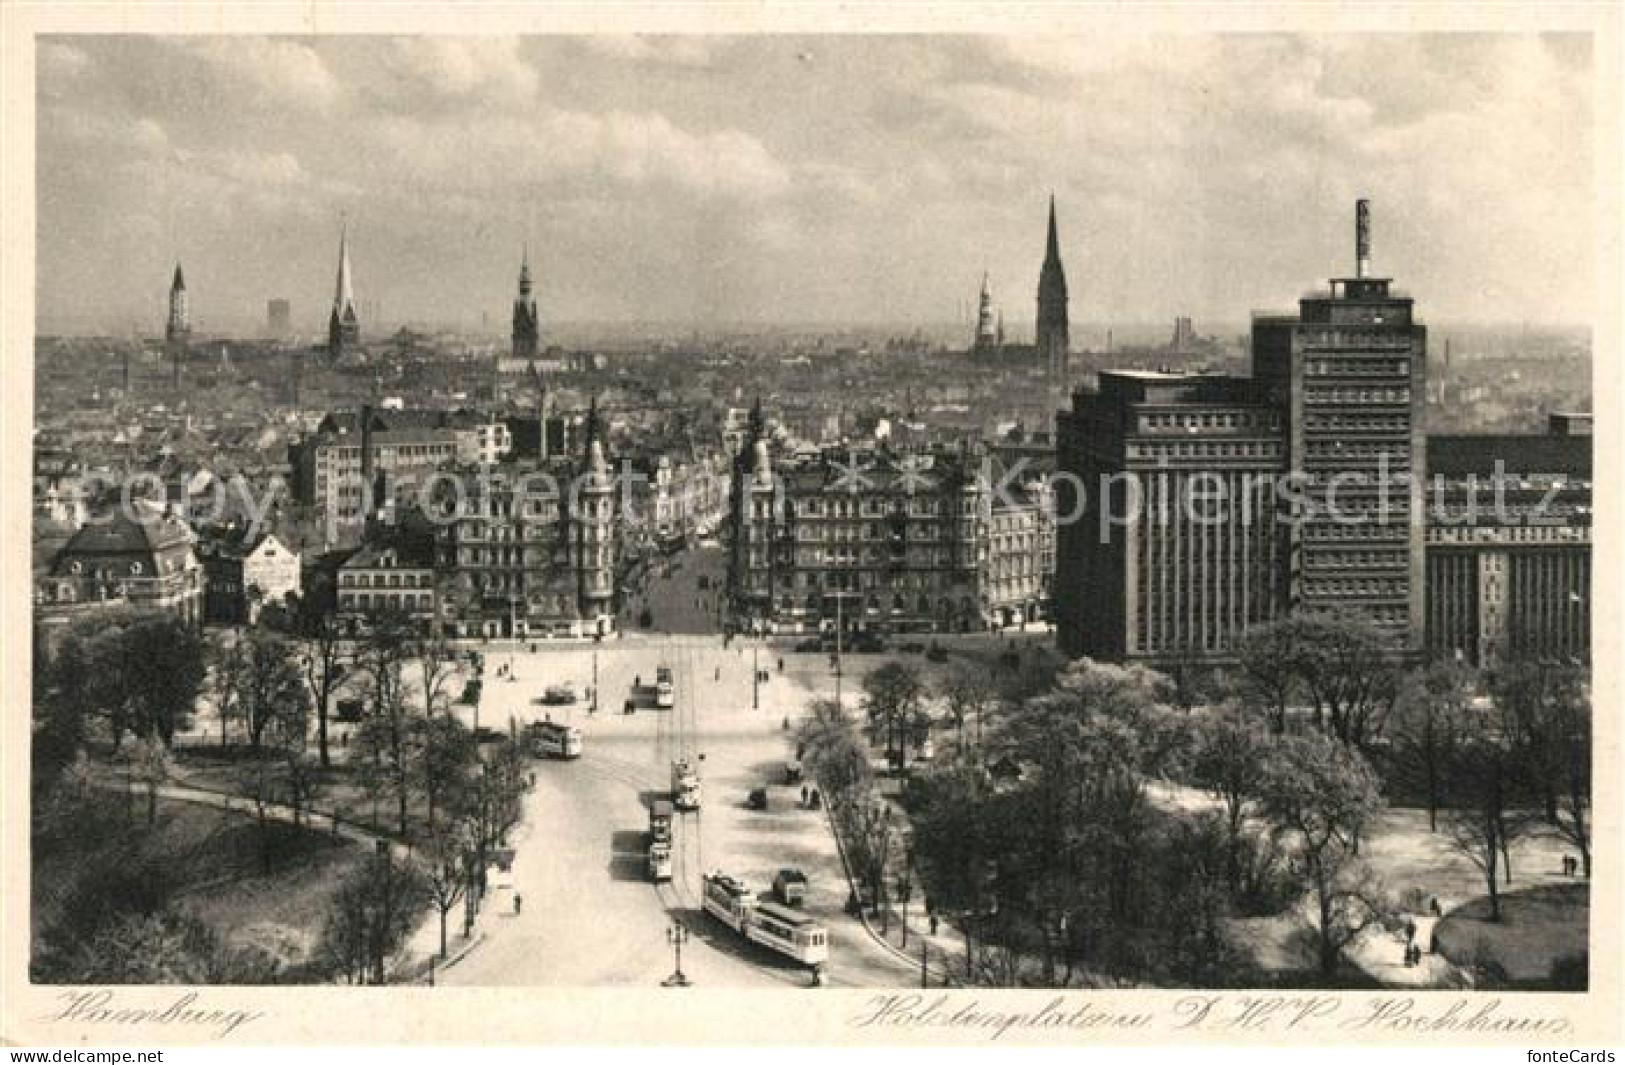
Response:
column 1538, row 925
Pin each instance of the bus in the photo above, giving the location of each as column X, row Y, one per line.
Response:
column 665, row 693
column 554, row 740
column 778, row 928
column 685, row 785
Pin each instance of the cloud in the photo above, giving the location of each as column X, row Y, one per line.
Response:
column 683, row 51
column 462, row 70
column 281, row 72
column 623, row 148
column 1197, row 174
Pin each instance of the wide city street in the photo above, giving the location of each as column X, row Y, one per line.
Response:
column 589, row 914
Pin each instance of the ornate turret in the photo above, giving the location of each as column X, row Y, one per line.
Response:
column 593, row 521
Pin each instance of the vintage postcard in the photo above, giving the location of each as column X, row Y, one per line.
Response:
column 816, row 525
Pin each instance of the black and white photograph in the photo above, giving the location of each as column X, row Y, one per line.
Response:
column 884, row 518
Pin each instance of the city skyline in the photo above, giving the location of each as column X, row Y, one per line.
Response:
column 743, row 197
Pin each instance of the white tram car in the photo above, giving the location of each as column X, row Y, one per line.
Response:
column 778, row 928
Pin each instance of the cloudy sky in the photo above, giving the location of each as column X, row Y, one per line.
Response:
column 701, row 180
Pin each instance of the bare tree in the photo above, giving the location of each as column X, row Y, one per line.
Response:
column 1319, row 795
column 268, row 686
column 322, row 652
column 389, row 726
column 1230, row 761
column 1430, row 719
column 1545, row 709
column 893, row 696
column 1269, row 678
column 1482, row 822
column 446, row 856
column 967, row 693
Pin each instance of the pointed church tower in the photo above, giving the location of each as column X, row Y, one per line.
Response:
column 1052, row 336
column 986, row 328
column 526, row 326
column 178, row 326
column 343, row 327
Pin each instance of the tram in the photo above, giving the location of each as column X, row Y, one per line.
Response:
column 555, row 740
column 685, row 785
column 778, row 928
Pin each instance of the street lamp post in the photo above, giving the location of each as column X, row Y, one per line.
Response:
column 677, row 935
column 755, row 680
column 595, row 680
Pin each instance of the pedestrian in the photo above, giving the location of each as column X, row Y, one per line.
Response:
column 518, row 903
column 803, row 794
column 781, row 665
column 719, row 673
column 1410, row 931
column 1433, row 905
column 933, row 924
column 1433, row 942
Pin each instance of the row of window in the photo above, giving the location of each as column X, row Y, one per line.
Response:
column 1358, row 560
column 1348, row 588
column 1210, row 420
column 1356, row 423
column 1206, row 449
column 386, row 600
column 1356, row 395
column 391, row 580
column 1358, row 367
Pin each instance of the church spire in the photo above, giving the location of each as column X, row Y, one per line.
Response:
column 343, row 293
column 179, row 284
column 1053, row 334
column 1052, row 247
column 343, row 326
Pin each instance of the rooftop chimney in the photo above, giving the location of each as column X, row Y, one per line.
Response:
column 1362, row 238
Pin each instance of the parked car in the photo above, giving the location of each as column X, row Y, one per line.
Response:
column 811, row 645
column 559, row 694
column 913, row 647
column 757, row 799
column 937, row 653
column 790, row 887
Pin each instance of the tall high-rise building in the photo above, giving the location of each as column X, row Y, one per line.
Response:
column 1349, row 371
column 343, row 327
column 526, row 326
column 1184, row 341
column 1173, row 550
column 987, row 327
column 278, row 318
column 1053, row 334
